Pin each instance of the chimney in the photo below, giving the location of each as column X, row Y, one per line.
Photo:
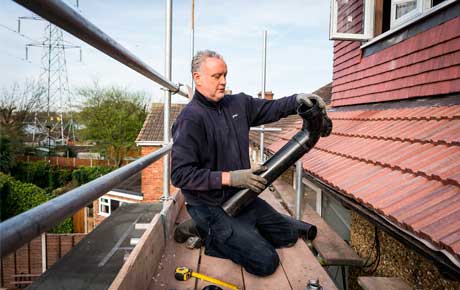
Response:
column 268, row 95
column 228, row 92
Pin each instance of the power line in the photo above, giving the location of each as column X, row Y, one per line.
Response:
column 18, row 33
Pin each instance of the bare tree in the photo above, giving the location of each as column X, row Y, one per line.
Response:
column 18, row 104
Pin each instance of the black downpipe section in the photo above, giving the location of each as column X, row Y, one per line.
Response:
column 315, row 124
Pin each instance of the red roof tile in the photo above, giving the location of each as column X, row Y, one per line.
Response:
column 402, row 163
column 152, row 130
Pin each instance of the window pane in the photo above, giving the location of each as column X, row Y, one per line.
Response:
column 404, row 8
column 350, row 16
column 105, row 209
column 114, row 204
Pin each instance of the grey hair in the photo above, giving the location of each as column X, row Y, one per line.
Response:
column 201, row 56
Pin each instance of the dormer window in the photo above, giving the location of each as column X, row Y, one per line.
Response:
column 363, row 20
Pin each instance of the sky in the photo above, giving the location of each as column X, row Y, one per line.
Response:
column 299, row 52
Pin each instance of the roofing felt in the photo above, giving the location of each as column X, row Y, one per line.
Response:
column 95, row 261
column 402, row 163
column 152, row 130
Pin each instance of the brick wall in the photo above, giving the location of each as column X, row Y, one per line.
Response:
column 152, row 177
column 25, row 264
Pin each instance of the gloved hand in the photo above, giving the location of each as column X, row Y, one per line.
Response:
column 247, row 178
column 327, row 126
column 306, row 99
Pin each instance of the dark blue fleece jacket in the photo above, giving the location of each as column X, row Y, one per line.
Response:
column 213, row 137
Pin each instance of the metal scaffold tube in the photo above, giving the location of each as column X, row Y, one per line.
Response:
column 60, row 14
column 298, row 189
column 22, row 228
column 262, row 94
column 167, row 102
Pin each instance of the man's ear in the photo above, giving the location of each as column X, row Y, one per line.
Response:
column 197, row 78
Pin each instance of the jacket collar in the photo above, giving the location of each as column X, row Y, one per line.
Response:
column 202, row 100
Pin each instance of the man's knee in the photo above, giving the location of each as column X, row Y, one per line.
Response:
column 264, row 264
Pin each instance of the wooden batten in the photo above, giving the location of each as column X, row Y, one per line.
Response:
column 140, row 267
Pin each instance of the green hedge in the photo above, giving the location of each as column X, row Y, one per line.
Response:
column 42, row 174
column 83, row 175
column 18, row 197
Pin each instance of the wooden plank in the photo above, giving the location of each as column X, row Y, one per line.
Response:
column 52, row 249
column 139, row 268
column 175, row 255
column 277, row 280
column 66, row 244
column 22, row 260
column 300, row 265
column 298, row 262
column 387, row 283
column 36, row 255
column 222, row 269
column 334, row 250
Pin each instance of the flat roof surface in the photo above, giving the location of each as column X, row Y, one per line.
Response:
column 95, row 261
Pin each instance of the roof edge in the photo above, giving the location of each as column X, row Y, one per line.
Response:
column 149, row 143
column 431, row 101
column 446, row 262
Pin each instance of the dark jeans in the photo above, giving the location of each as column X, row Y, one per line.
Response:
column 250, row 238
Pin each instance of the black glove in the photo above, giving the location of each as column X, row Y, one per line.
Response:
column 248, row 178
column 327, row 126
column 306, row 99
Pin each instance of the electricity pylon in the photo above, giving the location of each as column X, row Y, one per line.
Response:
column 54, row 77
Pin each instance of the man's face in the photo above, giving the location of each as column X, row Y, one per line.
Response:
column 210, row 80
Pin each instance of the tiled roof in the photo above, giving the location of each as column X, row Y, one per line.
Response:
column 402, row 163
column 324, row 92
column 152, row 130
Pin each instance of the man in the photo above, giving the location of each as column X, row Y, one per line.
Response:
column 210, row 163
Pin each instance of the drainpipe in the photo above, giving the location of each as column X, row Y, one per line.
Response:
column 315, row 124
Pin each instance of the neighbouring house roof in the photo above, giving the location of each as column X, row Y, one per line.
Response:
column 402, row 163
column 131, row 185
column 324, row 92
column 152, row 130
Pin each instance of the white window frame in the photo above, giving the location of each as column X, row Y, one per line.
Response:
column 424, row 8
column 368, row 23
column 102, row 203
column 108, row 203
column 410, row 15
column 426, row 12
